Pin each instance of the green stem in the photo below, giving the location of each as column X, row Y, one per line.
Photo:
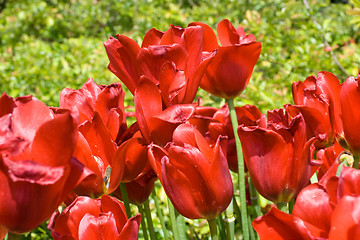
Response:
column 291, row 205
column 213, row 229
column 221, row 224
column 160, row 215
column 254, row 198
column 282, row 206
column 251, row 230
column 13, row 236
column 230, row 221
column 180, row 221
column 236, row 208
column 143, row 225
column 173, row 220
column 356, row 162
column 149, row 220
column 125, row 199
column 241, row 170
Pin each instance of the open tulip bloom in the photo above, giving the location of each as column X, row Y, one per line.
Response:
column 61, row 164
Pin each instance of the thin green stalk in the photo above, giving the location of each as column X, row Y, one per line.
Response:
column 356, row 162
column 125, row 199
column 241, row 170
column 173, row 220
column 213, row 229
column 180, row 221
column 149, row 220
column 251, row 230
column 221, row 225
column 282, row 206
column 291, row 205
column 160, row 215
column 143, row 224
column 230, row 221
column 254, row 195
column 237, row 209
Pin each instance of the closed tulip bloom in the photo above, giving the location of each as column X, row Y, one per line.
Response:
column 37, row 170
column 229, row 72
column 100, row 219
column 194, row 175
column 277, row 155
column 350, row 103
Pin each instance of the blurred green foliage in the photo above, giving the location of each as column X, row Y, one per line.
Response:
column 47, row 45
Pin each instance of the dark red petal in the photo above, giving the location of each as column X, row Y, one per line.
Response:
column 7, row 104
column 180, row 190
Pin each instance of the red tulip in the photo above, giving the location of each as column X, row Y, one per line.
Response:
column 88, row 218
column 171, row 59
column 277, row 155
column 317, row 98
column 37, row 170
column 194, row 175
column 102, row 126
column 328, row 211
column 350, row 103
column 229, row 72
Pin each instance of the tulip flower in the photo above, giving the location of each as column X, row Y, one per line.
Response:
column 317, row 98
column 328, row 211
column 37, row 170
column 350, row 103
column 173, row 60
column 102, row 126
column 277, row 155
column 88, row 218
column 229, row 72
column 194, row 175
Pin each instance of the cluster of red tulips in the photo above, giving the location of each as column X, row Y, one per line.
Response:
column 83, row 156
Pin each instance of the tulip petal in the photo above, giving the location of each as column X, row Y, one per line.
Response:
column 277, row 225
column 147, row 104
column 313, row 206
column 349, row 182
column 28, row 116
column 345, row 219
column 122, row 53
column 227, row 34
column 7, row 104
column 102, row 227
column 152, row 37
column 55, row 141
column 182, row 196
column 112, row 205
column 229, row 72
column 210, row 42
column 131, row 228
column 350, row 101
column 99, row 139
